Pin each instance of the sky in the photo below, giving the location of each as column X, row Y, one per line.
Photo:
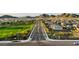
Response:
column 20, row 14
column 26, row 14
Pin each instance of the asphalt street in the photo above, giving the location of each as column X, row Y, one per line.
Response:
column 38, row 32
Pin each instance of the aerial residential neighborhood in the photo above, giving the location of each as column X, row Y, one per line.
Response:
column 44, row 29
column 64, row 26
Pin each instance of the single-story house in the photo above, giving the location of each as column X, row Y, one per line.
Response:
column 57, row 27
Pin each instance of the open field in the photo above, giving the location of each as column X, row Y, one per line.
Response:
column 11, row 30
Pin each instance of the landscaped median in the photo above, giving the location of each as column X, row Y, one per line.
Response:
column 45, row 31
column 16, row 32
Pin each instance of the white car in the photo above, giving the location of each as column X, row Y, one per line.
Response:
column 76, row 43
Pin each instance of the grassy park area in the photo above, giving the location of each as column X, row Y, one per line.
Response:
column 11, row 30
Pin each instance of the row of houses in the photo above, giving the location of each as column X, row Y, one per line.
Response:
column 15, row 19
column 62, row 25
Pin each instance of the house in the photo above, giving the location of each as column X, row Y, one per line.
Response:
column 77, row 25
column 48, row 22
column 57, row 27
column 70, row 24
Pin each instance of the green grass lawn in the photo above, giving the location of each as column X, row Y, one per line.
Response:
column 7, row 31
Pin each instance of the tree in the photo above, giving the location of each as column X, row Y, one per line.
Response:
column 28, row 16
column 45, row 15
column 52, row 15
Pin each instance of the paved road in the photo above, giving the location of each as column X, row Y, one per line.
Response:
column 48, row 43
column 37, row 34
column 41, row 43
